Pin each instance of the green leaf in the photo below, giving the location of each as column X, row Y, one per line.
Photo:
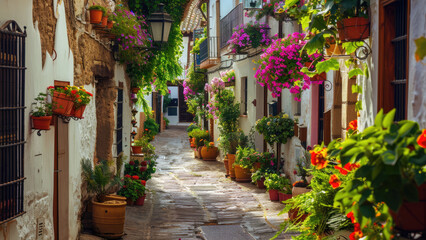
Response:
column 379, row 119
column 352, row 185
column 366, row 72
column 389, row 158
column 388, row 120
column 290, row 3
column 317, row 23
column 420, row 177
column 355, row 72
column 364, row 196
column 421, row 48
column 358, row 105
column 406, row 128
column 317, row 42
column 367, row 210
column 364, row 171
column 351, row 47
column 356, row 89
column 305, row 20
column 420, row 160
column 328, row 65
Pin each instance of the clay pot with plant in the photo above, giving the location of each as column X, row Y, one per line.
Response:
column 108, row 216
column 243, row 164
column 132, row 188
column 209, row 151
column 96, row 14
column 41, row 115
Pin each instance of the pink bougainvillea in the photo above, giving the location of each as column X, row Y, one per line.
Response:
column 249, row 35
column 281, row 64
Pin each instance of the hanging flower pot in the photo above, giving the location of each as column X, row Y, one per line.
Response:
column 95, row 16
column 110, row 24
column 41, row 123
column 62, row 104
column 136, row 149
column 242, row 174
column 78, row 111
column 352, row 29
column 104, row 21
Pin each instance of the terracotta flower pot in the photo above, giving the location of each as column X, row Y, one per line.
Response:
column 351, row 29
column 225, row 162
column 114, row 197
column 78, row 112
column 108, row 218
column 260, row 183
column 104, row 21
column 335, row 49
column 231, row 160
column 95, row 16
column 273, row 194
column 137, row 149
column 299, row 190
column 140, row 201
column 242, row 174
column 293, row 215
column 209, row 154
column 62, row 103
column 41, row 123
column 296, row 129
column 110, row 24
column 200, row 156
column 319, row 77
column 411, row 216
column 283, row 196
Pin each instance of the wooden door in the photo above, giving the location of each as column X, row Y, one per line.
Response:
column 184, row 115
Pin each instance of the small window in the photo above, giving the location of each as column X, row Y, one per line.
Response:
column 12, row 112
column 244, row 97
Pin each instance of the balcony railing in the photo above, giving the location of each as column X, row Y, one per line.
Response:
column 208, row 53
column 229, row 22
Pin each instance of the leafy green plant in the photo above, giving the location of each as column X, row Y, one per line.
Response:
column 276, row 182
column 132, row 187
column 167, row 121
column 151, row 128
column 100, row 179
column 303, row 165
column 276, row 129
column 166, row 101
column 191, row 127
column 41, row 106
column 147, row 148
column 260, row 173
column 98, row 7
column 242, row 157
column 143, row 169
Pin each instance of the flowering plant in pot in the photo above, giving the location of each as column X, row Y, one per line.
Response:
column 150, row 128
column 276, row 129
column 303, row 165
column 81, row 97
column 389, row 187
column 281, row 63
column 243, row 164
column 96, row 13
column 209, row 152
column 143, row 169
column 42, row 113
column 131, row 188
column 258, row 176
column 274, row 183
column 62, row 100
column 228, row 77
column 250, row 35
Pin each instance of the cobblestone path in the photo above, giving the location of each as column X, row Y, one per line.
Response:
column 187, row 193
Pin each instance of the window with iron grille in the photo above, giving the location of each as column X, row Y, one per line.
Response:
column 393, row 45
column 12, row 110
column 119, row 127
column 244, row 97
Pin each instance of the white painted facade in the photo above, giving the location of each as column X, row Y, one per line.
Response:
column 39, row 150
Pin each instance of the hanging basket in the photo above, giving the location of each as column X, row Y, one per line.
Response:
column 62, row 103
column 41, row 123
column 353, row 29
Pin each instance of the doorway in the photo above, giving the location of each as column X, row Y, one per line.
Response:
column 61, row 177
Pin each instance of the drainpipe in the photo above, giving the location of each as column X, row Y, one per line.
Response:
column 218, row 28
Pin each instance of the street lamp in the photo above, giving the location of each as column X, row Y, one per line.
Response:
column 160, row 23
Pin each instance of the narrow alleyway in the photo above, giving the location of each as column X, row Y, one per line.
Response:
column 188, row 193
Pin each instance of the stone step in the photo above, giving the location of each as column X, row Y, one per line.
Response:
column 228, row 232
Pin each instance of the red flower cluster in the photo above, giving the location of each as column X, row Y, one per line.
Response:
column 135, row 177
column 357, row 233
column 353, row 125
column 335, row 181
column 347, row 168
column 127, row 176
column 421, row 140
column 318, row 158
column 143, row 182
column 132, row 163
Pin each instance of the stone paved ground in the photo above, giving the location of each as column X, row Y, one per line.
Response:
column 187, row 193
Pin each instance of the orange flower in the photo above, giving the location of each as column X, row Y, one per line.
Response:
column 353, row 125
column 351, row 216
column 318, row 158
column 357, row 234
column 347, row 168
column 421, row 140
column 335, row 181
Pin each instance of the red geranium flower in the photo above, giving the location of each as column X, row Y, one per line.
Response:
column 351, row 216
column 295, row 172
column 50, row 87
column 127, row 176
column 334, row 181
column 73, row 91
column 143, row 182
column 353, row 125
column 318, row 158
column 135, row 177
column 124, row 186
column 421, row 140
column 357, row 234
column 132, row 163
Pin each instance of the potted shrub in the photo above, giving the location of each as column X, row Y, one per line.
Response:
column 108, row 216
column 274, row 183
column 191, row 127
column 137, row 146
column 276, row 129
column 243, row 164
column 286, row 191
column 258, row 178
column 390, row 181
column 42, row 114
column 209, row 151
column 353, row 24
column 142, row 169
column 232, row 140
column 81, row 98
column 96, row 13
column 199, row 137
column 132, row 188
column 151, row 128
